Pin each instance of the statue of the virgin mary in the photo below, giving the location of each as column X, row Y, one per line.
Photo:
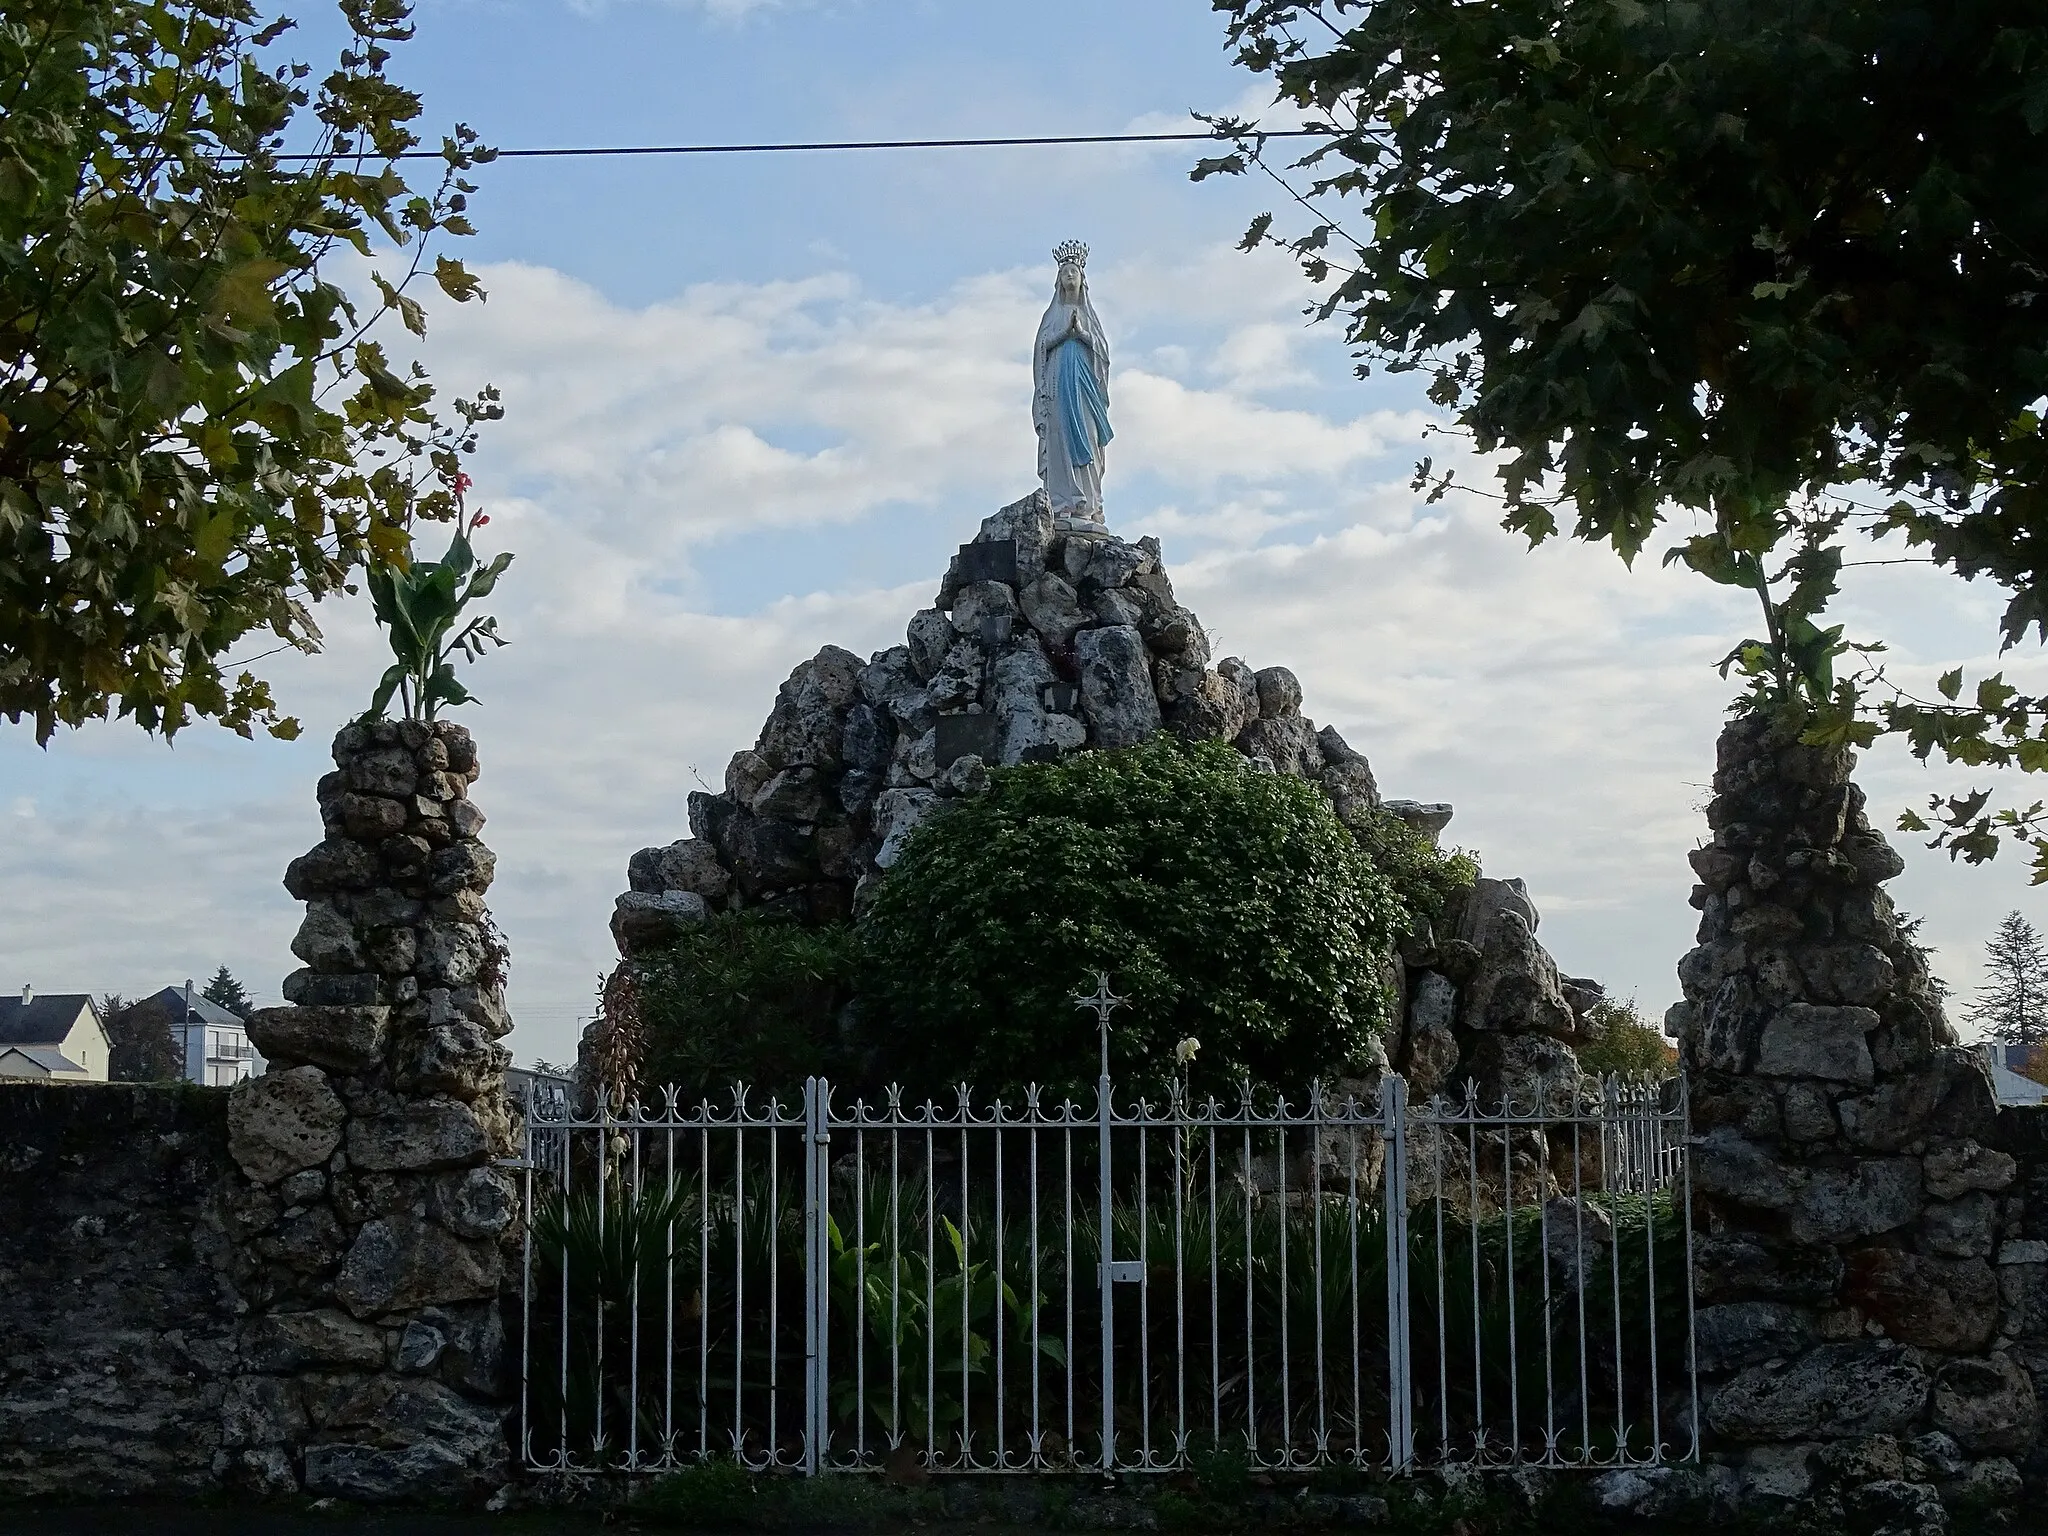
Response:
column 1070, row 394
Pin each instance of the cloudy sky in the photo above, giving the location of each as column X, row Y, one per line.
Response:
column 752, row 403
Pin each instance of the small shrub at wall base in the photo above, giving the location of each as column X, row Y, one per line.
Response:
column 1226, row 904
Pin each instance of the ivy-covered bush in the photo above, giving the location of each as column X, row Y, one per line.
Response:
column 1228, row 905
column 745, row 998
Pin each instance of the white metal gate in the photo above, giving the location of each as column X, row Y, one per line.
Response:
column 1349, row 1281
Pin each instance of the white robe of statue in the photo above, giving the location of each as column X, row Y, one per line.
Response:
column 1070, row 393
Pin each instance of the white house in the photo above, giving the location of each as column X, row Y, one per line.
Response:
column 212, row 1042
column 56, row 1038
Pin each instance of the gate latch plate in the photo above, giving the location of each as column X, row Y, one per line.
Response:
column 1126, row 1271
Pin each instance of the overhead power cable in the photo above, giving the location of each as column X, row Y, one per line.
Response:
column 837, row 144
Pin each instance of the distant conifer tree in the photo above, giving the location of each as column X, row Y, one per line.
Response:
column 226, row 992
column 141, row 1045
column 2012, row 1005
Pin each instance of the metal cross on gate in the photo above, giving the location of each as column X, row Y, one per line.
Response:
column 1109, row 1272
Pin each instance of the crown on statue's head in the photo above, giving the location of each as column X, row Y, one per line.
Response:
column 1070, row 250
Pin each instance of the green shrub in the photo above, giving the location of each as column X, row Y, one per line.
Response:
column 1423, row 875
column 746, row 998
column 1625, row 1044
column 1226, row 904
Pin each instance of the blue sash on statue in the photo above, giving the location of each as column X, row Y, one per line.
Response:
column 1083, row 412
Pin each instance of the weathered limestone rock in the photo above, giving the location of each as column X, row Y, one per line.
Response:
column 1432, row 1050
column 284, row 1121
column 402, row 1262
column 1525, row 1070
column 421, row 1138
column 460, row 1060
column 1836, row 1391
column 1987, row 1405
column 688, row 865
column 1808, row 1040
column 325, row 1338
column 1836, row 1203
column 1743, row 1333
column 645, row 919
column 1516, row 989
column 1429, row 817
column 898, row 813
column 1933, row 1303
column 1116, row 686
column 342, row 1039
column 476, row 1203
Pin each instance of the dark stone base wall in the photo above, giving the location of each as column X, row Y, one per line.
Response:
column 118, row 1313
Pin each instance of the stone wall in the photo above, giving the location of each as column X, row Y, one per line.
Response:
column 373, row 1228
column 118, row 1322
column 1861, row 1258
column 296, row 1285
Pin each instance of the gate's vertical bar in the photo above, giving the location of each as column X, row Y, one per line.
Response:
column 1400, row 1396
column 526, row 1279
column 1104, row 1250
column 604, row 1160
column 704, row 1283
column 822, row 1272
column 668, row 1272
column 773, row 1229
column 810, row 1279
column 638, row 1206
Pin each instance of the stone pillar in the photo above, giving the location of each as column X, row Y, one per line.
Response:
column 374, row 1235
column 1850, row 1208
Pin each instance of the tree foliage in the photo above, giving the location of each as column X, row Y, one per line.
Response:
column 2012, row 1004
column 142, row 1046
column 1227, row 905
column 198, row 435
column 1781, row 265
column 1625, row 1043
column 226, row 992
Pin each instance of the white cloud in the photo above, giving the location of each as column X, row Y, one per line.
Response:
column 1566, row 705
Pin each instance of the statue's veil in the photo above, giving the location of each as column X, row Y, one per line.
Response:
column 1054, row 325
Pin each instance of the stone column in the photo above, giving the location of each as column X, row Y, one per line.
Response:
column 1850, row 1208
column 374, row 1233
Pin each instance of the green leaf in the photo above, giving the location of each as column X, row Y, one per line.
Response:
column 1951, row 683
column 386, row 687
column 485, row 580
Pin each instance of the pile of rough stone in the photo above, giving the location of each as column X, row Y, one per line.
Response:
column 370, row 1225
column 1863, row 1256
column 1041, row 642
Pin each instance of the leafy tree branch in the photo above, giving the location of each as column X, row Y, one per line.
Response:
column 1649, row 281
column 201, row 434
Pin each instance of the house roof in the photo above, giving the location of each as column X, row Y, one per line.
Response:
column 2009, row 1086
column 16, row 1062
column 45, row 1019
column 203, row 1012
